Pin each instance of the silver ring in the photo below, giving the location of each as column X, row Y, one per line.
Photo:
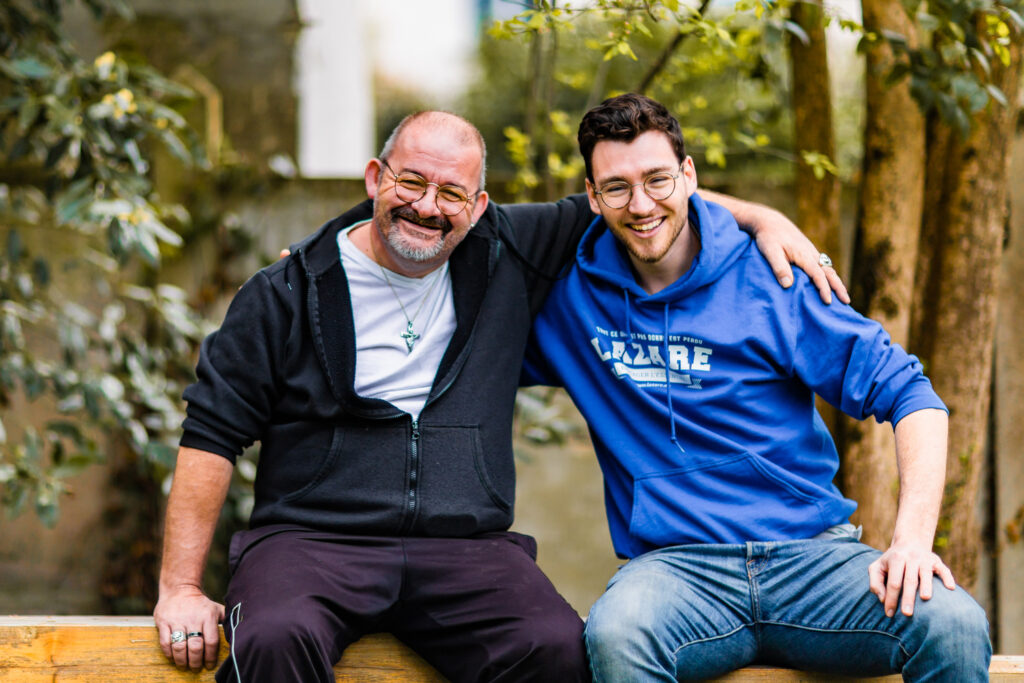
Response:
column 194, row 634
column 177, row 636
column 824, row 261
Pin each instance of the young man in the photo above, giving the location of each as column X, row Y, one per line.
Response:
column 378, row 366
column 697, row 377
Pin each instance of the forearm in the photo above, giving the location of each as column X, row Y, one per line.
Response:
column 200, row 487
column 921, row 457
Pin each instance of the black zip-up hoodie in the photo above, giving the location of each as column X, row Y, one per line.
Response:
column 281, row 369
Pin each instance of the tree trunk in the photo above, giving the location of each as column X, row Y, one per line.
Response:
column 817, row 200
column 959, row 312
column 889, row 221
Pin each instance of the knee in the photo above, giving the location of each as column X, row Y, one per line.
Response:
column 621, row 620
column 953, row 623
column 279, row 631
column 621, row 638
column 555, row 646
column 605, row 636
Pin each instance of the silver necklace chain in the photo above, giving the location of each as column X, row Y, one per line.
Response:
column 409, row 335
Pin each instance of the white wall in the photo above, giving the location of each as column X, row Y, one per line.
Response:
column 334, row 85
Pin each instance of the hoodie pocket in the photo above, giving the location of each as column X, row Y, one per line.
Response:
column 463, row 489
column 731, row 500
column 294, row 458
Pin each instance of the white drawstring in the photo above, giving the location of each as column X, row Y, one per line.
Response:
column 234, row 620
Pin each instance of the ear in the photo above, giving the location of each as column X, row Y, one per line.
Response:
column 372, row 177
column 595, row 206
column 689, row 176
column 480, row 206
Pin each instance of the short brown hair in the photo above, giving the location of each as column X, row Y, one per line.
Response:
column 624, row 118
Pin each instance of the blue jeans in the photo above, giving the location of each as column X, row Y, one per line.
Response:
column 699, row 611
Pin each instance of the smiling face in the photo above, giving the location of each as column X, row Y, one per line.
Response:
column 651, row 230
column 414, row 238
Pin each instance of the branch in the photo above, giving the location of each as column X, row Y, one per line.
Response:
column 663, row 58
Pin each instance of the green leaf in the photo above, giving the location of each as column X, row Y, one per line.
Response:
column 15, row 248
column 928, row 22
column 897, row 73
column 138, row 163
column 65, row 428
column 26, row 67
column 28, row 114
column 898, row 40
column 72, row 202
column 15, row 498
column 996, row 93
column 57, row 152
column 1014, row 17
column 175, row 145
column 797, row 31
column 48, row 513
column 981, row 60
column 41, row 271
column 72, row 467
column 12, row 103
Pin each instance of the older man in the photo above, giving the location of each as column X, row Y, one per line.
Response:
column 377, row 365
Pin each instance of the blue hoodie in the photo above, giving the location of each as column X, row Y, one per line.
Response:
column 734, row 451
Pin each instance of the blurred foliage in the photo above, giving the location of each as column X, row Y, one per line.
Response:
column 722, row 70
column 949, row 71
column 86, row 329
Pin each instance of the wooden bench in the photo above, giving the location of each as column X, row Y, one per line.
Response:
column 34, row 649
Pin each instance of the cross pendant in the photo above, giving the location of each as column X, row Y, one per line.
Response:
column 409, row 336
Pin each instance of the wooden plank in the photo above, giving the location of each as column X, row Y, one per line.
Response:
column 115, row 649
column 125, row 650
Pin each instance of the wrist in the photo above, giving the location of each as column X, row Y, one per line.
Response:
column 179, row 589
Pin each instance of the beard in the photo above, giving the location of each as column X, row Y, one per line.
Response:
column 649, row 253
column 402, row 245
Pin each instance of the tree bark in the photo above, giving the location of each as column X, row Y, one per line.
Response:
column 889, row 220
column 959, row 312
column 817, row 200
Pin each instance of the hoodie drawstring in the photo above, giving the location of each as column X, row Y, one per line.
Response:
column 668, row 370
column 668, row 385
column 629, row 315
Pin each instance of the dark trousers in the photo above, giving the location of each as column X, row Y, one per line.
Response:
column 477, row 609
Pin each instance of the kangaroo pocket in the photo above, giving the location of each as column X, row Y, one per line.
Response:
column 463, row 487
column 731, row 500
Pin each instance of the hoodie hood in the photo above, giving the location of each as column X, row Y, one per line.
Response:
column 601, row 256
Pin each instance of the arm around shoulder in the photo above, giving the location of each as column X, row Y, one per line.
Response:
column 781, row 243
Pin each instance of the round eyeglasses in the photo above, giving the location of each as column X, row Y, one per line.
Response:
column 411, row 187
column 658, row 186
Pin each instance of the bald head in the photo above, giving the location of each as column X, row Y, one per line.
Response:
column 458, row 129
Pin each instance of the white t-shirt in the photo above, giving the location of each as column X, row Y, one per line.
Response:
column 385, row 368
